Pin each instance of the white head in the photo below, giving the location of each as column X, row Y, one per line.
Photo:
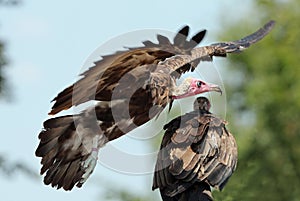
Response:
column 193, row 86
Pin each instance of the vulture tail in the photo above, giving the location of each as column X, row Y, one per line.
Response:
column 199, row 191
column 69, row 148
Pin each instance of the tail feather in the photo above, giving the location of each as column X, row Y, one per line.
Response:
column 47, row 161
column 44, row 148
column 49, row 134
column 220, row 176
column 51, row 172
column 69, row 144
column 59, row 176
column 63, row 151
column 73, row 175
column 197, row 192
column 63, row 175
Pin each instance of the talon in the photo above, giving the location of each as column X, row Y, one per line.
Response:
column 89, row 165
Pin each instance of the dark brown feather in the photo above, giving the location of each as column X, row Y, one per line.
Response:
column 196, row 39
column 100, row 80
column 198, row 192
column 60, row 161
column 181, row 36
column 196, row 149
column 108, row 71
column 73, row 175
column 139, row 80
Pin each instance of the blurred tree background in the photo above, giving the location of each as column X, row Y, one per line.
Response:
column 3, row 58
column 2, row 64
column 264, row 107
column 6, row 167
column 263, row 93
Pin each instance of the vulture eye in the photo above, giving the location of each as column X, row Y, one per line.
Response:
column 199, row 84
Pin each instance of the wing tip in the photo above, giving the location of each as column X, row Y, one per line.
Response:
column 269, row 25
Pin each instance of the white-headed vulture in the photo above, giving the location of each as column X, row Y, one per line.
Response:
column 197, row 151
column 130, row 87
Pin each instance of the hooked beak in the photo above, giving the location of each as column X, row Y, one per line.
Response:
column 214, row 87
column 197, row 86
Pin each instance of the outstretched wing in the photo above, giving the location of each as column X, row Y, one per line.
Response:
column 180, row 56
column 195, row 148
column 239, row 45
column 206, row 53
column 99, row 81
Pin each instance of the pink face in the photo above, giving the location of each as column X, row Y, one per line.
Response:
column 198, row 87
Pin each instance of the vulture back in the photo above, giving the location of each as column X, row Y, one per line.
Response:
column 197, row 151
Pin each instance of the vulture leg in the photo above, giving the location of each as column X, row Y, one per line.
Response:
column 90, row 163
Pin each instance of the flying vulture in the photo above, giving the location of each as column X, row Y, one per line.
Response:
column 197, row 151
column 130, row 87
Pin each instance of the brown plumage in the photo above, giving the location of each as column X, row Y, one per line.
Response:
column 133, row 86
column 197, row 152
column 99, row 82
column 66, row 142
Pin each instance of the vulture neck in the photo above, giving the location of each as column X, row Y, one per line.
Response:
column 181, row 91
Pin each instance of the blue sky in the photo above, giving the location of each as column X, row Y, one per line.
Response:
column 47, row 44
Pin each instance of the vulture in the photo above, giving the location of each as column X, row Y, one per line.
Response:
column 197, row 151
column 129, row 87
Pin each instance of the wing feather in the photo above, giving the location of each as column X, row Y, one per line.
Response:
column 206, row 53
column 181, row 36
column 245, row 42
column 98, row 82
column 209, row 154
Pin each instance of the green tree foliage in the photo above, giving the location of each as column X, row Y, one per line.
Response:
column 264, row 107
column 263, row 90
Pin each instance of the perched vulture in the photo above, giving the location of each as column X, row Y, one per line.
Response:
column 131, row 87
column 197, row 151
